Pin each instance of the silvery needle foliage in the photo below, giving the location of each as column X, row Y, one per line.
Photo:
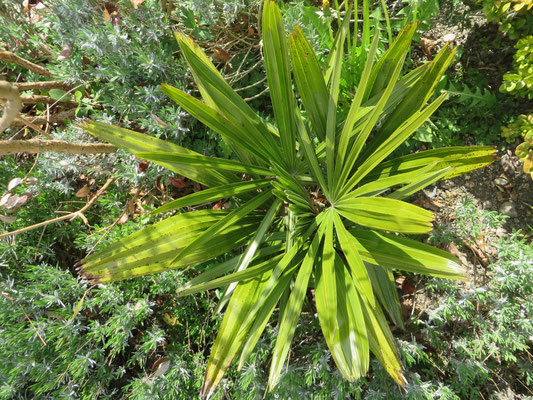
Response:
column 318, row 205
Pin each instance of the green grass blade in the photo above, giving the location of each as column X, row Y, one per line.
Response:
column 406, row 254
column 253, row 246
column 219, row 227
column 232, row 331
column 348, row 126
column 397, row 138
column 381, row 342
column 310, row 81
column 235, row 277
column 326, row 288
column 352, row 333
column 384, row 70
column 334, row 63
column 204, row 163
column 355, row 263
column 213, row 194
column 310, row 154
column 278, row 71
column 419, row 184
column 265, row 312
column 369, row 124
column 293, row 309
column 152, row 249
column 418, row 95
column 384, row 286
column 380, row 185
column 386, row 214
column 232, row 131
column 229, row 266
column 231, row 105
column 136, row 142
column 460, row 159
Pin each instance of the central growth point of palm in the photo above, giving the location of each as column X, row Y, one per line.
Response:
column 336, row 223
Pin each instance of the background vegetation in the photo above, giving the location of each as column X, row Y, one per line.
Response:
column 60, row 338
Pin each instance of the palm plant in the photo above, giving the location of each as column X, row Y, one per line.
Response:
column 318, row 205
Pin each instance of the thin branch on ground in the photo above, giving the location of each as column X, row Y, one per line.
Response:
column 70, row 216
column 43, row 85
column 12, row 57
column 56, row 146
column 55, row 118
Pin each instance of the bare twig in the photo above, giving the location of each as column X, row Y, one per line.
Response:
column 37, row 129
column 70, row 216
column 257, row 95
column 47, row 100
column 44, row 85
column 55, row 118
column 57, row 146
column 11, row 57
column 251, row 85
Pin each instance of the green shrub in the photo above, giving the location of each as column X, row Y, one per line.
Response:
column 520, row 81
column 513, row 16
column 485, row 330
column 312, row 206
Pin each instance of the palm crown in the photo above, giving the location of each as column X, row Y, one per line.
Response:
column 318, row 204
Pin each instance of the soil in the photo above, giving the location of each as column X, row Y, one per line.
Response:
column 502, row 186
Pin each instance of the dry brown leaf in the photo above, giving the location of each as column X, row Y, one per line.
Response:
column 11, row 202
column 143, row 166
column 251, row 31
column 13, row 183
column 65, row 52
column 4, row 199
column 159, row 184
column 124, row 218
column 177, row 182
column 220, row 54
column 17, row 201
column 111, row 13
column 83, row 192
column 136, row 3
column 7, row 219
column 426, row 202
column 452, row 248
column 407, row 287
column 131, row 206
column 163, row 367
column 428, row 46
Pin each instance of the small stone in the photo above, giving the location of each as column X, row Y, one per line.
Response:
column 487, row 205
column 501, row 181
column 508, row 208
column 450, row 37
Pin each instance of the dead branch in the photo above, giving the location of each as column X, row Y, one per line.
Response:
column 47, row 100
column 44, row 85
column 13, row 104
column 57, row 146
column 55, row 118
column 69, row 216
column 11, row 57
column 34, row 127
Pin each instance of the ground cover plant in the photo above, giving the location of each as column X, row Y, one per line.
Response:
column 319, row 184
column 141, row 338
